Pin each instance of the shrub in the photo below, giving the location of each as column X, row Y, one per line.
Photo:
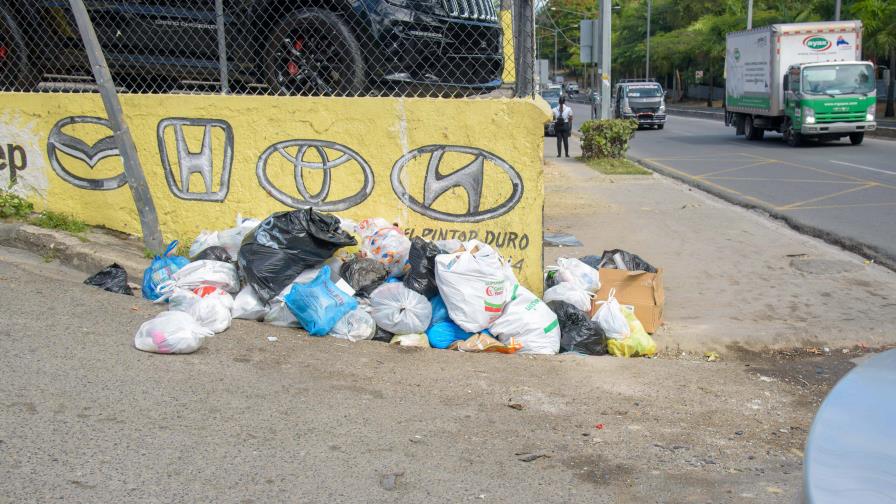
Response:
column 12, row 205
column 607, row 138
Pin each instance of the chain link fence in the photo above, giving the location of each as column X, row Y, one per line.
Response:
column 445, row 48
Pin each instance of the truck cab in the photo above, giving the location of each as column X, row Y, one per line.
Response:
column 829, row 101
column 644, row 101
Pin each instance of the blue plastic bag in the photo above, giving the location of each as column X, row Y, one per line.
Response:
column 439, row 311
column 443, row 334
column 319, row 304
column 160, row 270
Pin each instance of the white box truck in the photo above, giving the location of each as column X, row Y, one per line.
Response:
column 804, row 80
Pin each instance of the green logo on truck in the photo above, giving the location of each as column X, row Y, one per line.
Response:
column 736, row 54
column 817, row 43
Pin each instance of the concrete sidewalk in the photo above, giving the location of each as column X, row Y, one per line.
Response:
column 733, row 277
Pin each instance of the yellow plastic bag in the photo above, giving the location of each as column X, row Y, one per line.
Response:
column 637, row 344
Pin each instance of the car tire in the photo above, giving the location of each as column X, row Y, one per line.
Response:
column 660, row 126
column 16, row 71
column 314, row 52
column 751, row 131
column 793, row 138
column 856, row 138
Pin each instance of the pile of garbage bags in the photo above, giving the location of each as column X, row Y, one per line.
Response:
column 368, row 281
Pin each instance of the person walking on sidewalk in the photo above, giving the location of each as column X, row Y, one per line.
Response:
column 562, row 125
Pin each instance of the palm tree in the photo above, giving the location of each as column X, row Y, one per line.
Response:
column 879, row 20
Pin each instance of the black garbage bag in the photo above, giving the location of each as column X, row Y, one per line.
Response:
column 363, row 274
column 632, row 261
column 286, row 243
column 382, row 335
column 577, row 332
column 112, row 278
column 421, row 277
column 213, row 253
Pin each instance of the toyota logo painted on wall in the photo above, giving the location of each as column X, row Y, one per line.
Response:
column 60, row 141
column 470, row 177
column 318, row 200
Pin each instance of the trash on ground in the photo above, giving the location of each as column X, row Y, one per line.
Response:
column 560, row 240
column 246, row 305
column 711, row 356
column 611, row 318
column 411, row 340
column 599, row 426
column 160, row 270
column 640, row 289
column 528, row 321
column 637, row 344
column 390, row 480
column 229, row 239
column 443, row 334
column 578, row 333
column 474, row 284
column 531, row 457
column 213, row 253
column 356, row 325
column 218, row 274
column 618, row 259
column 389, row 246
column 272, row 338
column 363, row 274
column 171, row 332
column 285, row 244
column 516, row 406
column 572, row 293
column 570, row 269
column 400, row 310
column 420, row 276
column 112, row 278
column 485, row 343
column 319, row 304
column 382, row 335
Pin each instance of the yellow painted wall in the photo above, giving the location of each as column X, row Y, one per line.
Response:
column 379, row 130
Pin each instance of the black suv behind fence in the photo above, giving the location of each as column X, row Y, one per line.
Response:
column 293, row 47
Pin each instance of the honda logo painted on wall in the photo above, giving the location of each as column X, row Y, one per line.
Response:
column 201, row 161
column 470, row 177
column 59, row 141
column 300, row 162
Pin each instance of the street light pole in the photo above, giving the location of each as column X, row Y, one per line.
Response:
column 750, row 15
column 606, row 13
column 837, row 11
column 555, row 55
column 647, row 64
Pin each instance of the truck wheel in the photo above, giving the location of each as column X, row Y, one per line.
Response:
column 16, row 73
column 751, row 131
column 856, row 138
column 313, row 52
column 793, row 138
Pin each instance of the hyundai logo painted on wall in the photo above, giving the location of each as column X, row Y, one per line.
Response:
column 60, row 141
column 470, row 177
column 305, row 198
column 817, row 43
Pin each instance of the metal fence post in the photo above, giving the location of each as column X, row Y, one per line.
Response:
column 524, row 37
column 146, row 209
column 222, row 46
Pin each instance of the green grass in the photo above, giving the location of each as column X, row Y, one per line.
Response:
column 15, row 206
column 621, row 166
column 55, row 220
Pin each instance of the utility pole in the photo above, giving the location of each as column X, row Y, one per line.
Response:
column 837, row 11
column 647, row 65
column 750, row 14
column 555, row 55
column 606, row 13
column 149, row 221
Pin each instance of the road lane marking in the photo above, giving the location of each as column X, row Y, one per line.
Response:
column 852, row 205
column 710, row 183
column 764, row 179
column 857, row 179
column 864, row 167
column 719, row 172
column 813, row 200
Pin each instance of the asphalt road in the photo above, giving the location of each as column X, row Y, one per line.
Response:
column 842, row 193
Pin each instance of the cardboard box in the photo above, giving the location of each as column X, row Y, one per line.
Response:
column 640, row 289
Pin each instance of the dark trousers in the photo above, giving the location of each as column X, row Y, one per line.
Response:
column 562, row 141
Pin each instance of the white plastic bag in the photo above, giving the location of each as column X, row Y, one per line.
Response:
column 356, row 325
column 611, row 319
column 171, row 332
column 205, row 240
column 246, row 305
column 213, row 310
column 211, row 273
column 573, row 270
column 370, row 226
column 388, row 246
column 279, row 315
column 570, row 292
column 474, row 284
column 232, row 238
column 528, row 320
column 411, row 340
column 400, row 310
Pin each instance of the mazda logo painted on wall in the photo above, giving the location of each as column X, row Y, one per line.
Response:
column 469, row 177
column 318, row 200
column 60, row 141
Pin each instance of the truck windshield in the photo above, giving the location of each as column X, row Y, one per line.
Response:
column 838, row 79
column 644, row 91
